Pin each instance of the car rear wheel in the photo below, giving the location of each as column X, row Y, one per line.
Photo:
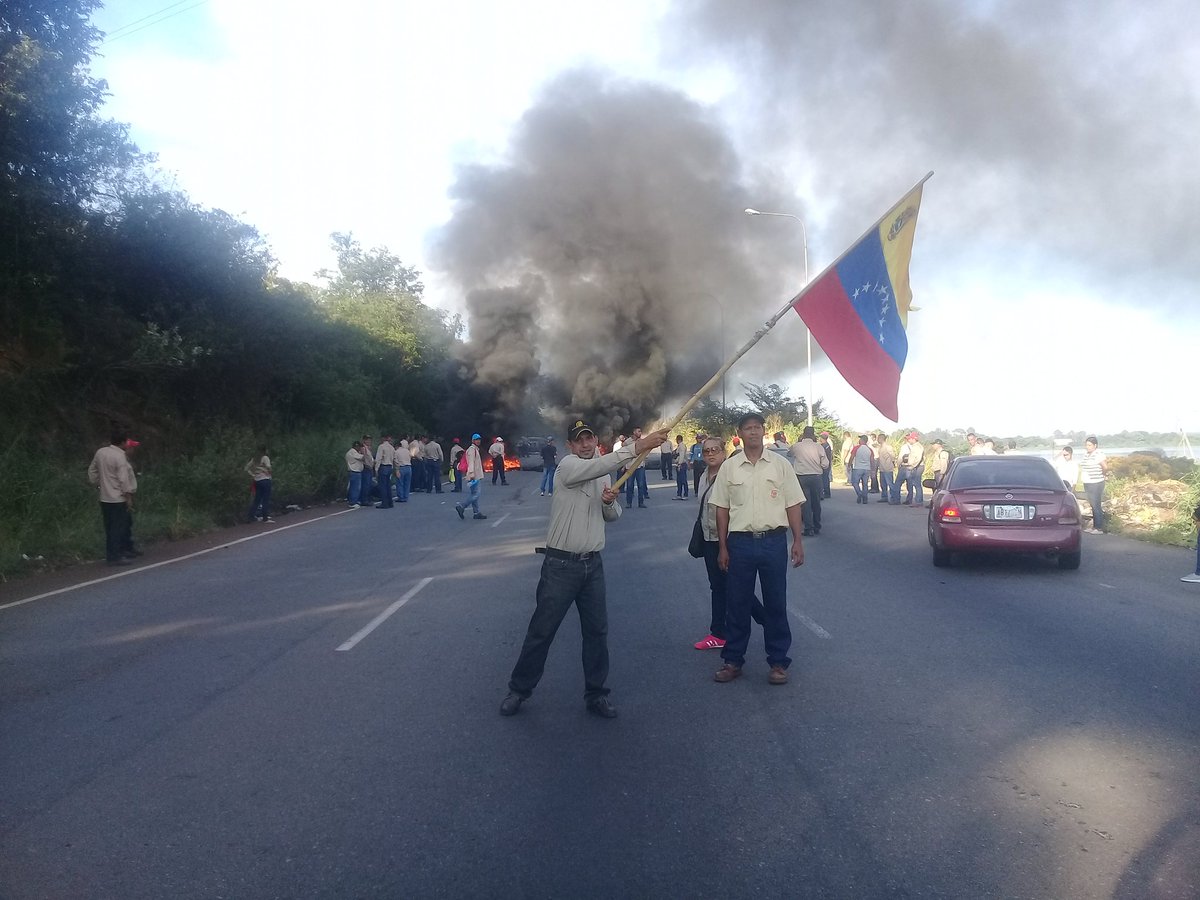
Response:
column 941, row 558
column 1069, row 560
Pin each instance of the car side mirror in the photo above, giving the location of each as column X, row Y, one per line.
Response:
column 928, row 482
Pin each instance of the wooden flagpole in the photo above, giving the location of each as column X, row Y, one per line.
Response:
column 758, row 336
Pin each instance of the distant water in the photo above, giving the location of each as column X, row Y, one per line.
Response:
column 1051, row 453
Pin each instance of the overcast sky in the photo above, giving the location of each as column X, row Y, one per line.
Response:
column 1054, row 266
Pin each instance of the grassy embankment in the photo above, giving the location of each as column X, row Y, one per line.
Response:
column 51, row 513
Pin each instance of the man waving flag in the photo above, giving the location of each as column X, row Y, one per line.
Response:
column 857, row 309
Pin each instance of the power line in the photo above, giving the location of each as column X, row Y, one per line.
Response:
column 156, row 17
column 119, row 29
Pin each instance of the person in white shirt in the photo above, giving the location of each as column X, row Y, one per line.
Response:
column 259, row 468
column 912, row 469
column 433, row 466
column 496, row 452
column 861, row 459
column 402, row 459
column 111, row 472
column 354, row 465
column 1066, row 467
column 384, row 458
column 1093, row 469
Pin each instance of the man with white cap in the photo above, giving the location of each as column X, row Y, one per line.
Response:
column 572, row 572
column 496, row 452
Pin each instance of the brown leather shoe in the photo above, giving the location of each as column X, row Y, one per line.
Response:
column 778, row 675
column 727, row 673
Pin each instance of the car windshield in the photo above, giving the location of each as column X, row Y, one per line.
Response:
column 983, row 472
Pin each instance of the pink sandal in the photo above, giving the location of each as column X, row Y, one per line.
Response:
column 709, row 643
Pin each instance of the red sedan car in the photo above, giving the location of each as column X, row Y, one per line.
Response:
column 1004, row 504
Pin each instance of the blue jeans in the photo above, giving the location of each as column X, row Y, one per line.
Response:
column 638, row 479
column 811, row 511
column 910, row 476
column 385, row 487
column 827, row 478
column 262, row 499
column 861, row 479
column 403, row 483
column 766, row 560
column 367, row 487
column 498, row 470
column 681, row 481
column 474, row 490
column 433, row 471
column 354, row 489
column 887, row 486
column 548, row 478
column 717, row 585
column 565, row 582
column 1095, row 495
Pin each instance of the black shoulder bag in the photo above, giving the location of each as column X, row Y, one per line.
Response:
column 696, row 544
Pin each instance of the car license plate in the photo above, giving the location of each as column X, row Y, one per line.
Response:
column 1008, row 513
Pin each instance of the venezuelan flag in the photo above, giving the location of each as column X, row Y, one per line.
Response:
column 857, row 309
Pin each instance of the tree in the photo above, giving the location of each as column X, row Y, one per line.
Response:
column 377, row 271
column 771, row 400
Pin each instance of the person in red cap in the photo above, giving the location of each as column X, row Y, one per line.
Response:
column 111, row 472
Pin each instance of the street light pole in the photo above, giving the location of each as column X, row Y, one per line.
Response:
column 807, row 330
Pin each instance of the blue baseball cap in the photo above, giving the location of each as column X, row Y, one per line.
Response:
column 475, row 437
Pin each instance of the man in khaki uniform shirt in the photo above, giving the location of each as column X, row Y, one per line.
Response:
column 572, row 572
column 809, row 462
column 758, row 500
column 111, row 472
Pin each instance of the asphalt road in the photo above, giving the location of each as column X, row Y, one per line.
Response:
column 231, row 725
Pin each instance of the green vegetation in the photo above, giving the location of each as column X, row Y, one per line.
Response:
column 122, row 302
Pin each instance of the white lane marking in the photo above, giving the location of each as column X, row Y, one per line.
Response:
column 167, row 562
column 501, row 519
column 811, row 625
column 379, row 619
column 1109, row 586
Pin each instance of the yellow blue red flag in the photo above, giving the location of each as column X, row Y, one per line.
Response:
column 857, row 310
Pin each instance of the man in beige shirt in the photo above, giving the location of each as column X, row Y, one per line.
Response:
column 474, row 476
column 758, row 501
column 385, row 456
column 572, row 572
column 809, row 462
column 111, row 472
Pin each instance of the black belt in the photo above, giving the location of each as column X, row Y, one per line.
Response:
column 563, row 554
column 759, row 534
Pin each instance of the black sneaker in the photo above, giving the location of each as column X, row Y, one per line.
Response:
column 511, row 705
column 458, row 509
column 479, row 516
column 602, row 707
